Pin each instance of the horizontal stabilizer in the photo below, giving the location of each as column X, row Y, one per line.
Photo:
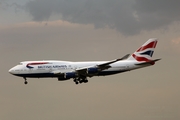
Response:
column 152, row 62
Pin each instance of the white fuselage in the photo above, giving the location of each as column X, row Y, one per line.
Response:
column 52, row 68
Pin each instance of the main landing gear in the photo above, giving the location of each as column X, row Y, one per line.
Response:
column 25, row 81
column 80, row 80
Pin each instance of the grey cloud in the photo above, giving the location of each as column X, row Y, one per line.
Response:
column 157, row 14
column 129, row 17
column 40, row 10
column 5, row 5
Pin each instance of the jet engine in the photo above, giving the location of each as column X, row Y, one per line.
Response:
column 92, row 70
column 67, row 76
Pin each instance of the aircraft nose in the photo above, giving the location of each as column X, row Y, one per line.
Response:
column 11, row 71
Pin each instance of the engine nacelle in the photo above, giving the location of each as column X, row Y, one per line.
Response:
column 92, row 70
column 67, row 76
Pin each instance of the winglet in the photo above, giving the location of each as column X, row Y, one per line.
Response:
column 123, row 58
column 113, row 61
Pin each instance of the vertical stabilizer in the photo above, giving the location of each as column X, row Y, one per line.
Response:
column 145, row 52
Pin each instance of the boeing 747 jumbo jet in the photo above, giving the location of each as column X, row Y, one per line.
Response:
column 80, row 71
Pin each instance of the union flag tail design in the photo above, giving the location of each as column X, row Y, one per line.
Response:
column 145, row 52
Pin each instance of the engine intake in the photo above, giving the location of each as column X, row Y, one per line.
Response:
column 69, row 75
column 92, row 70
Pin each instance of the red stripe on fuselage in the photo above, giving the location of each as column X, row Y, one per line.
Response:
column 37, row 63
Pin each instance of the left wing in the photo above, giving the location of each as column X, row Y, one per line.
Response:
column 91, row 70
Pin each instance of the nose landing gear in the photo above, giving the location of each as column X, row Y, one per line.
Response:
column 25, row 81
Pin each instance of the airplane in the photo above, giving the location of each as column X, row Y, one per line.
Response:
column 80, row 71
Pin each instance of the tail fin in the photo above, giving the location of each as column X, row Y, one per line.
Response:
column 145, row 52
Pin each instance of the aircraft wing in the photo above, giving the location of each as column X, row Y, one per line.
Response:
column 94, row 69
column 84, row 71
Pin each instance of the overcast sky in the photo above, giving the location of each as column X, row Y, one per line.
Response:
column 87, row 30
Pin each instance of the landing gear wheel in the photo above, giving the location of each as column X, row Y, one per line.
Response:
column 85, row 81
column 25, row 82
column 76, row 81
column 80, row 80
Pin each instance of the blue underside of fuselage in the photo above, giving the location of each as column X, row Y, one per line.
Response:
column 44, row 75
